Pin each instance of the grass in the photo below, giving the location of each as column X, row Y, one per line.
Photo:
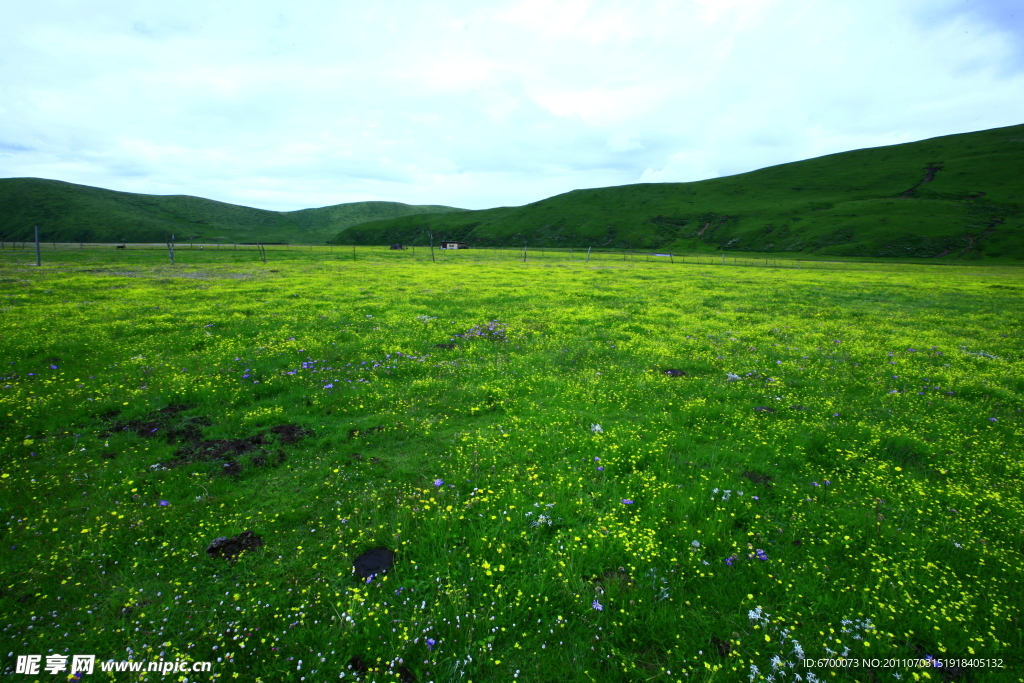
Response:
column 868, row 202
column 832, row 469
column 66, row 212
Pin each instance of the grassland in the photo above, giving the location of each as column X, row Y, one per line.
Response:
column 66, row 212
column 951, row 198
column 832, row 470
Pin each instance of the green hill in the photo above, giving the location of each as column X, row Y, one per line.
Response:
column 66, row 212
column 956, row 196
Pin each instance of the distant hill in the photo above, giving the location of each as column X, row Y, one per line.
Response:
column 956, row 196
column 66, row 212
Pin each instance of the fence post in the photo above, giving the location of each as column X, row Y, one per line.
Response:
column 39, row 261
column 588, row 254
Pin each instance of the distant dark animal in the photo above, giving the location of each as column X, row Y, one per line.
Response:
column 120, row 246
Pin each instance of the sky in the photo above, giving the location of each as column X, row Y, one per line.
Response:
column 284, row 106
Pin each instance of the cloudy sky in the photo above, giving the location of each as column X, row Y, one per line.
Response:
column 475, row 104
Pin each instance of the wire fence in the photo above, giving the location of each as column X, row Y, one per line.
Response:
column 602, row 256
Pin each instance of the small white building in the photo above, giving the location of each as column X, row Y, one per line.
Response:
column 454, row 245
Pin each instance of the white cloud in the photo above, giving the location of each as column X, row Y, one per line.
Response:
column 683, row 167
column 478, row 105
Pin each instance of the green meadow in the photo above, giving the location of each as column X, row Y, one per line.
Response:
column 616, row 470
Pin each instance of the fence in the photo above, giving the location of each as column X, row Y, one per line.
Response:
column 507, row 253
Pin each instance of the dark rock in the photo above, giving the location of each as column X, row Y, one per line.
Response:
column 674, row 373
column 373, row 562
column 232, row 547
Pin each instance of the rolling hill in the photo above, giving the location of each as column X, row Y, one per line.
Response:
column 66, row 212
column 956, row 196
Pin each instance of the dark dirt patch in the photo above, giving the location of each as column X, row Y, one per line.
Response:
column 172, row 425
column 758, row 478
column 218, row 449
column 289, row 434
column 166, row 423
column 373, row 562
column 722, row 646
column 445, row 346
column 764, row 409
column 232, row 547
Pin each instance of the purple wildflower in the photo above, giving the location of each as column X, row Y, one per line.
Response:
column 431, row 643
column 53, row 367
column 329, row 386
column 597, row 605
column 627, row 501
column 439, row 482
column 164, row 503
column 600, row 469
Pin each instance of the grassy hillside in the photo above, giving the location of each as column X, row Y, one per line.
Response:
column 66, row 212
column 957, row 196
